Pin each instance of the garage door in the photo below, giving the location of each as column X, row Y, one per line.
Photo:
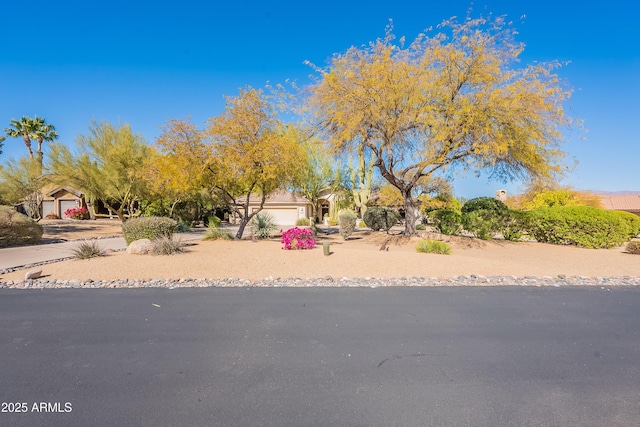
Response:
column 67, row 204
column 48, row 207
column 283, row 216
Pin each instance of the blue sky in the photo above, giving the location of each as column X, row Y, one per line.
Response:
column 144, row 62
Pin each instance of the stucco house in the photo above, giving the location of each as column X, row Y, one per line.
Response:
column 56, row 200
column 287, row 207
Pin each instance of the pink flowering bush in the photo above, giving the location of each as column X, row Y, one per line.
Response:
column 298, row 238
column 77, row 213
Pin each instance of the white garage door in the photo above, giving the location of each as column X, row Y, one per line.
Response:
column 48, row 207
column 67, row 204
column 283, row 216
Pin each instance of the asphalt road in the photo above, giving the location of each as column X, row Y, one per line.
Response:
column 321, row 357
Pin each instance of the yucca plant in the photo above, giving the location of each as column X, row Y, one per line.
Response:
column 87, row 249
column 263, row 225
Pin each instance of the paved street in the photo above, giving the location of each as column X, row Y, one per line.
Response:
column 321, row 357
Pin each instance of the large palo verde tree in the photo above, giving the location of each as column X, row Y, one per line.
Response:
column 457, row 98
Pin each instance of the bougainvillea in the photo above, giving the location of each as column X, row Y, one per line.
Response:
column 77, row 213
column 298, row 238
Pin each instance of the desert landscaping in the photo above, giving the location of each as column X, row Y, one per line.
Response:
column 359, row 257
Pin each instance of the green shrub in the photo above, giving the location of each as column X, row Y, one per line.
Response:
column 484, row 203
column 433, row 247
column 213, row 221
column 347, row 221
column 303, row 222
column 632, row 221
column 215, row 233
column 582, row 226
column 166, row 246
column 420, row 227
column 361, row 224
column 447, row 221
column 481, row 223
column 380, row 218
column 17, row 229
column 263, row 225
column 513, row 224
column 182, row 227
column 633, row 247
column 150, row 227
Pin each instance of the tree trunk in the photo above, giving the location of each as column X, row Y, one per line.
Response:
column 410, row 214
column 27, row 143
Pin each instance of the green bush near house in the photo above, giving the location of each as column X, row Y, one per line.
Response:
column 380, row 218
column 513, row 224
column 433, row 247
column 421, row 227
column 632, row 221
column 151, row 227
column 484, row 203
column 17, row 229
column 215, row 233
column 447, row 221
column 482, row 223
column 583, row 226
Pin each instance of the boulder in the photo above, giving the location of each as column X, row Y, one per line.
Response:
column 32, row 274
column 140, row 247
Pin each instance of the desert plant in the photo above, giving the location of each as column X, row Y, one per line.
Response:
column 263, row 225
column 303, row 222
column 17, row 229
column 298, row 238
column 51, row 216
column 632, row 221
column 166, row 246
column 150, row 227
column 582, row 226
column 182, row 227
column 481, row 223
column 347, row 221
column 447, row 221
column 633, row 247
column 380, row 218
column 77, row 213
column 513, row 224
column 433, row 247
column 326, row 248
column 215, row 233
column 87, row 249
column 483, row 203
column 421, row 227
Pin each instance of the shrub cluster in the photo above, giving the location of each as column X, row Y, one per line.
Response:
column 380, row 218
column 485, row 204
column 433, row 247
column 298, row 238
column 150, row 227
column 166, row 246
column 303, row 222
column 347, row 220
column 582, row 226
column 17, row 229
column 263, row 225
column 447, row 221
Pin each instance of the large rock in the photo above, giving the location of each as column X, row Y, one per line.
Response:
column 33, row 274
column 140, row 247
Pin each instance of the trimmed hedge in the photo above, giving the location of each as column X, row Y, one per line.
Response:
column 485, row 204
column 582, row 226
column 447, row 221
column 380, row 218
column 148, row 227
column 17, row 229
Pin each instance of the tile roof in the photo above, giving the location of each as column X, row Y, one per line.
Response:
column 278, row 197
column 630, row 203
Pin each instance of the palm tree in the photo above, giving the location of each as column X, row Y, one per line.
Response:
column 2, row 138
column 28, row 128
